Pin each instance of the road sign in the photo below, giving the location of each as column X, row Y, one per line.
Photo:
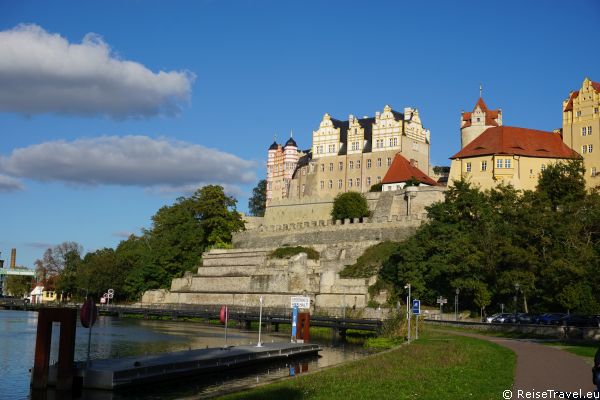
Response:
column 294, row 322
column 442, row 300
column 88, row 313
column 300, row 302
column 416, row 307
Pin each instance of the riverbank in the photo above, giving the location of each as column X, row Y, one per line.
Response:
column 437, row 366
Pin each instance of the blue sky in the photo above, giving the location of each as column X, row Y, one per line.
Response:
column 95, row 138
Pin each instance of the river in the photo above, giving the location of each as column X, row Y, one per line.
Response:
column 114, row 337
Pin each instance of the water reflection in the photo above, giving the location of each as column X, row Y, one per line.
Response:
column 113, row 338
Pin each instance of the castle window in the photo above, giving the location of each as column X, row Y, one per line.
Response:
column 330, row 184
column 478, row 119
column 339, row 184
column 378, row 179
column 369, row 163
column 415, row 146
column 357, row 182
column 389, row 161
column 379, row 162
column 322, row 167
column 595, row 110
column 499, row 162
column 340, row 165
column 593, row 171
column 368, row 181
column 583, row 131
column 331, row 166
column 395, row 141
column 351, row 164
column 589, row 130
column 543, row 167
column 583, row 149
column 468, row 167
column 322, row 184
column 579, row 113
column 357, row 164
column 484, row 165
column 355, row 131
column 303, row 188
column 391, row 142
column 350, row 182
column 589, row 148
column 507, row 163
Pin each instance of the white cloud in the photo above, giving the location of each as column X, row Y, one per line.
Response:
column 8, row 184
column 158, row 164
column 42, row 72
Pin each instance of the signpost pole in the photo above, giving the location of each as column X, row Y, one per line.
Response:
column 408, row 310
column 260, row 322
column 226, row 320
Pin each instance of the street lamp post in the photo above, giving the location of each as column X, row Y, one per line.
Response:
column 456, row 304
column 516, row 295
column 408, row 316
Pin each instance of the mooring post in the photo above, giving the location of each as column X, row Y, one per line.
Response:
column 66, row 351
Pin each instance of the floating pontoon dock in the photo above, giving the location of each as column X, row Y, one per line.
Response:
column 118, row 373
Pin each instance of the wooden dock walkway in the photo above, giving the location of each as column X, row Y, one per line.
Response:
column 113, row 374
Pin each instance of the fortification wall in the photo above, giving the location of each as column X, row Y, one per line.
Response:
column 310, row 233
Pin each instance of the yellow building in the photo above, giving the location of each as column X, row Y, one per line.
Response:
column 350, row 155
column 581, row 127
column 504, row 154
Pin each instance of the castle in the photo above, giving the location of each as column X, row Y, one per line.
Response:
column 390, row 149
column 346, row 155
column 492, row 153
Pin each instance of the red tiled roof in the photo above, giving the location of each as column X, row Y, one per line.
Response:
column 517, row 141
column 490, row 115
column 569, row 106
column 401, row 170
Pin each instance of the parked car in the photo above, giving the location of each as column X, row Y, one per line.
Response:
column 524, row 318
column 490, row 318
column 551, row 318
column 580, row 320
column 501, row 318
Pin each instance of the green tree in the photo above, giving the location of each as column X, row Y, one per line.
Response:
column 19, row 285
column 258, row 202
column 67, row 280
column 350, row 205
column 563, row 182
column 217, row 215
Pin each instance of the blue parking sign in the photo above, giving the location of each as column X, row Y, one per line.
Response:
column 416, row 307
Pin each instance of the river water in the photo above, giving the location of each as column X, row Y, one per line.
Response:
column 113, row 338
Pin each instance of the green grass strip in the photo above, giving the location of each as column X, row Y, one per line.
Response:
column 437, row 366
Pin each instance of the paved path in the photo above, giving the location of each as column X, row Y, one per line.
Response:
column 541, row 367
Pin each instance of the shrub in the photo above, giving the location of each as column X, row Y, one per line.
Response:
column 287, row 252
column 349, row 205
column 369, row 263
column 376, row 187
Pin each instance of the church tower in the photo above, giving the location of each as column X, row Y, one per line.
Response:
column 473, row 124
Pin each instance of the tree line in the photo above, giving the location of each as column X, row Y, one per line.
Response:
column 529, row 250
column 174, row 244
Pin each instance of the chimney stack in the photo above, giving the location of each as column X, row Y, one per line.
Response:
column 13, row 258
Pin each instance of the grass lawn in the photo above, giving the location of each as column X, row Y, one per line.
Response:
column 583, row 350
column 437, row 366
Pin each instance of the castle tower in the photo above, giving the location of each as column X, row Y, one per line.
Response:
column 290, row 161
column 271, row 169
column 581, row 127
column 473, row 124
